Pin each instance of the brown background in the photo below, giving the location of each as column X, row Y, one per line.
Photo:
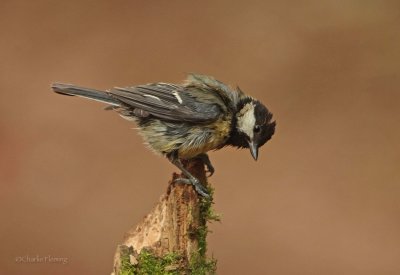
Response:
column 323, row 197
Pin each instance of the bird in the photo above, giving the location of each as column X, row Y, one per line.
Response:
column 185, row 121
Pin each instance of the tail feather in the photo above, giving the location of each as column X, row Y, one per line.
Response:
column 72, row 90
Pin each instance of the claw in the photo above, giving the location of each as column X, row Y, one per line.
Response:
column 210, row 170
column 207, row 163
column 200, row 189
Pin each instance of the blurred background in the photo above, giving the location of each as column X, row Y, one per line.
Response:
column 323, row 197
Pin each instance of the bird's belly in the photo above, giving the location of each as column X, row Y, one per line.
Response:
column 188, row 140
column 193, row 147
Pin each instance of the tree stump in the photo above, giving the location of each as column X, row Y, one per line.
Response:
column 171, row 239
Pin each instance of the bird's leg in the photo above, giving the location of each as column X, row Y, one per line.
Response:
column 206, row 160
column 200, row 189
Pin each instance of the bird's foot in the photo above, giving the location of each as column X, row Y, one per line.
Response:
column 207, row 163
column 200, row 189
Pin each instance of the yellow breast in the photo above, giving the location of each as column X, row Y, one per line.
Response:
column 214, row 135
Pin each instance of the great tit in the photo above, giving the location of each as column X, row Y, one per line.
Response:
column 185, row 121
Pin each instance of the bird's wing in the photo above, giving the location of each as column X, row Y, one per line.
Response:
column 168, row 101
column 229, row 96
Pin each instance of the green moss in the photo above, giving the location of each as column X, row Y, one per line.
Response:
column 149, row 264
column 199, row 263
column 126, row 267
column 206, row 210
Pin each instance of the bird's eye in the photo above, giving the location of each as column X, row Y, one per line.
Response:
column 257, row 129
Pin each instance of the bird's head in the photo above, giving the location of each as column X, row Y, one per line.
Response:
column 254, row 126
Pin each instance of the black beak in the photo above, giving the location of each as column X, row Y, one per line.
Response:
column 253, row 150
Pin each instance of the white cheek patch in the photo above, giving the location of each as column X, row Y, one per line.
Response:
column 247, row 120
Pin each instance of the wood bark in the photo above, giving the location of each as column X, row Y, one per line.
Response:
column 170, row 227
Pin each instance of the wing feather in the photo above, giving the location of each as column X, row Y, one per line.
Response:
column 166, row 101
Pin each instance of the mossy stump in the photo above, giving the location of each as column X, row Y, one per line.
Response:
column 172, row 238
